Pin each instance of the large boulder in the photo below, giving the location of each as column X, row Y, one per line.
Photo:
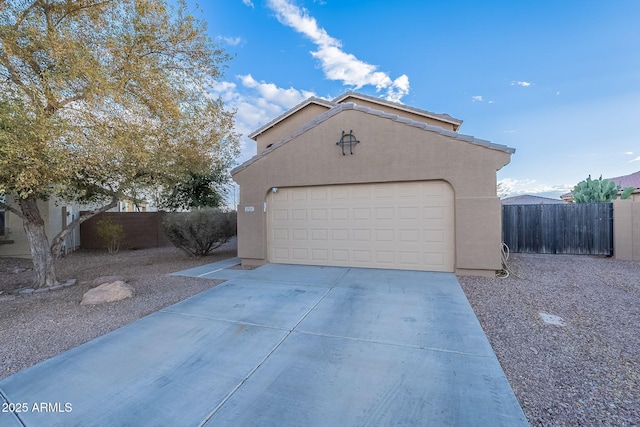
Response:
column 107, row 292
column 107, row 279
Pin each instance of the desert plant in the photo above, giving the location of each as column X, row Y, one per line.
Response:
column 111, row 233
column 600, row 190
column 200, row 231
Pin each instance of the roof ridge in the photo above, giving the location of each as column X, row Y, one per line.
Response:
column 338, row 108
column 313, row 99
column 443, row 116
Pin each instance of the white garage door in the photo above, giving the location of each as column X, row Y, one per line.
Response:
column 406, row 225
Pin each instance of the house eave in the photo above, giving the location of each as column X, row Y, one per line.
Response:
column 435, row 116
column 338, row 108
column 290, row 112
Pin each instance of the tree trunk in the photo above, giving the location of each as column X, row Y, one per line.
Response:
column 43, row 266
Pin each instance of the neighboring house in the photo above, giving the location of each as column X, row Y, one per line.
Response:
column 527, row 199
column 131, row 205
column 632, row 180
column 363, row 182
column 55, row 214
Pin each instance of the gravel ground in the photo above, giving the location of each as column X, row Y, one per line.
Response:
column 36, row 327
column 586, row 373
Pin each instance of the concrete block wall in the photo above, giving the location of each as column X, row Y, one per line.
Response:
column 626, row 229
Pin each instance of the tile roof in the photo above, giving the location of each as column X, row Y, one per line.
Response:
column 399, row 106
column 351, row 106
column 631, row 180
column 290, row 112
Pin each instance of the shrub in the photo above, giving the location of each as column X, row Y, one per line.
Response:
column 111, row 233
column 201, row 231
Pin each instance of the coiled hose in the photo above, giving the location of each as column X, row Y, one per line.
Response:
column 504, row 272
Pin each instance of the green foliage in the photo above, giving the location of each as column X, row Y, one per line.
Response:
column 102, row 100
column 111, row 233
column 201, row 231
column 598, row 191
column 196, row 191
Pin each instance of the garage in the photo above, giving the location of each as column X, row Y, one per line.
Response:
column 364, row 182
column 403, row 225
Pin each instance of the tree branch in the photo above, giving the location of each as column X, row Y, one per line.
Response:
column 72, row 11
column 12, row 210
column 56, row 243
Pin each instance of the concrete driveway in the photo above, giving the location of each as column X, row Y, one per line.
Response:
column 281, row 345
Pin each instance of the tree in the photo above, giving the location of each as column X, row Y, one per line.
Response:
column 101, row 99
column 600, row 190
column 196, row 190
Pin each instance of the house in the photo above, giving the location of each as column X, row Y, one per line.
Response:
column 527, row 199
column 363, row 182
column 56, row 215
column 631, row 180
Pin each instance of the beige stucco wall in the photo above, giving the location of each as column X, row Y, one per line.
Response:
column 388, row 151
column 401, row 112
column 289, row 125
column 626, row 229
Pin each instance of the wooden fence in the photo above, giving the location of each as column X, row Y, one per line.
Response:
column 584, row 228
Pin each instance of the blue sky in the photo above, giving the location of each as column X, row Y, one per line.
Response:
column 559, row 81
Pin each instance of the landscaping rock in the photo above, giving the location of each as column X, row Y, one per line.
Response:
column 108, row 279
column 107, row 292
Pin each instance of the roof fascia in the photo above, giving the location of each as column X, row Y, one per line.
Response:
column 338, row 108
column 441, row 117
column 292, row 111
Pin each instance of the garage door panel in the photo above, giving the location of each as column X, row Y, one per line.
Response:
column 387, row 213
column 360, row 255
column 280, row 215
column 409, row 258
column 412, row 235
column 392, row 225
column 319, row 255
column 297, row 195
column 386, row 257
column 298, row 214
column 362, row 235
column 281, row 234
column 299, row 234
column 340, row 256
column 319, row 234
column 280, row 254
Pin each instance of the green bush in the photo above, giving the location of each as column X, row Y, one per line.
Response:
column 201, row 231
column 111, row 233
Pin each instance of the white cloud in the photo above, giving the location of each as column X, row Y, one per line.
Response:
column 637, row 159
column 521, row 83
column 231, row 41
column 248, row 3
column 337, row 64
column 256, row 103
column 477, row 98
column 515, row 187
column 285, row 98
column 629, row 153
